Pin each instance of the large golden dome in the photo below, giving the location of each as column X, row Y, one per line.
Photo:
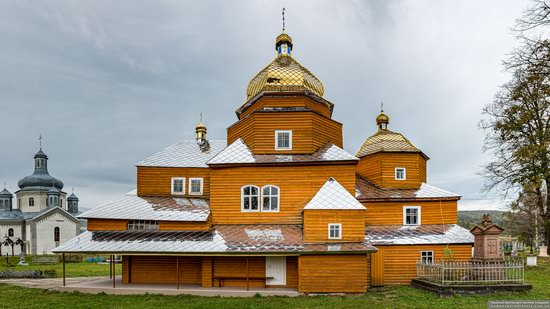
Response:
column 284, row 73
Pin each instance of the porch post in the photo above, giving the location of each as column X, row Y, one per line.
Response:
column 110, row 268
column 129, row 259
column 177, row 272
column 63, row 257
column 114, row 269
column 247, row 275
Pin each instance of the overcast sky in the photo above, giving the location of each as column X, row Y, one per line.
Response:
column 108, row 83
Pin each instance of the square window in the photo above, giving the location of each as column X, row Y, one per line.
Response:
column 427, row 256
column 283, row 140
column 400, row 173
column 195, row 186
column 178, row 185
column 411, row 215
column 334, row 231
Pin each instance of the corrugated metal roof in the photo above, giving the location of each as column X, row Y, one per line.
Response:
column 333, row 196
column 367, row 190
column 417, row 235
column 184, row 153
column 132, row 207
column 221, row 239
column 387, row 141
column 238, row 153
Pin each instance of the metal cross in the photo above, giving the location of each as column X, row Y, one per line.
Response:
column 283, row 19
column 201, row 117
column 40, row 140
column 382, row 106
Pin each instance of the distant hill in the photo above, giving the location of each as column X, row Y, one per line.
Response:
column 471, row 218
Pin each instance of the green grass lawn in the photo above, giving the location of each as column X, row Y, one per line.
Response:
column 388, row 297
column 72, row 269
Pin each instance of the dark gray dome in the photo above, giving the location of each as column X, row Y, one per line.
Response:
column 40, row 179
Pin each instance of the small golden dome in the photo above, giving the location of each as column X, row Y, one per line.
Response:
column 382, row 120
column 284, row 74
column 283, row 37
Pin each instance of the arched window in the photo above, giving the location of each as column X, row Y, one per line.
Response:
column 270, row 198
column 56, row 234
column 10, row 232
column 249, row 198
column 31, row 201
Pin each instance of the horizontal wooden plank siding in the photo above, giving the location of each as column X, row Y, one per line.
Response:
column 107, row 225
column 310, row 131
column 157, row 181
column 287, row 101
column 380, row 169
column 391, row 213
column 400, row 261
column 162, row 269
column 297, row 186
column 206, row 271
column 184, row 226
column 333, row 273
column 316, row 225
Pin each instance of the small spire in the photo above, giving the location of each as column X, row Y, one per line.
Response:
column 40, row 141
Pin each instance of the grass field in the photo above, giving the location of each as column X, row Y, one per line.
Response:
column 388, row 297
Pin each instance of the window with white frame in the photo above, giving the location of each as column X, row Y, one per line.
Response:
column 195, row 186
column 250, row 196
column 283, row 139
column 411, row 215
column 178, row 185
column 427, row 256
column 400, row 173
column 334, row 231
column 143, row 225
column 270, row 198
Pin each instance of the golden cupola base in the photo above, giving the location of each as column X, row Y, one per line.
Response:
column 284, row 73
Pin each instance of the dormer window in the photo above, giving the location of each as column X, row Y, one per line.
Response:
column 143, row 225
column 400, row 173
column 178, row 185
column 334, row 231
column 195, row 186
column 283, row 140
column 411, row 215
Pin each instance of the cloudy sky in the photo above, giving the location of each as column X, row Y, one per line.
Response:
column 108, row 83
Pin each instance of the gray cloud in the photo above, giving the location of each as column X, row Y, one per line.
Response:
column 109, row 83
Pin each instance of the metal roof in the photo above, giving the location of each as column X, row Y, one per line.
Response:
column 367, row 190
column 417, row 235
column 239, row 153
column 184, row 153
column 132, row 207
column 333, row 196
column 230, row 239
column 387, row 141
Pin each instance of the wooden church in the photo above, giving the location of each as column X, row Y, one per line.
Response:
column 280, row 203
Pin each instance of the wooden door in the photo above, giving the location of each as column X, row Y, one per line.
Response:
column 275, row 267
column 377, row 268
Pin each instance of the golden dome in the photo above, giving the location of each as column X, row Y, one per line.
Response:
column 284, row 74
column 387, row 141
column 382, row 119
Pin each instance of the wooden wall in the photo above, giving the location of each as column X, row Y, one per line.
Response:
column 400, row 261
column 292, row 272
column 161, row 269
column 157, row 181
column 287, row 101
column 310, row 131
column 297, row 186
column 380, row 169
column 333, row 273
column 122, row 225
column 391, row 213
column 236, row 266
column 316, row 225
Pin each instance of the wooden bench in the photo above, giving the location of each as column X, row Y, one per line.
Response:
column 247, row 278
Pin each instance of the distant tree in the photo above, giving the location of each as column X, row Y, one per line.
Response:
column 522, row 221
column 517, row 122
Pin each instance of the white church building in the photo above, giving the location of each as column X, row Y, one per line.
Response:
column 45, row 216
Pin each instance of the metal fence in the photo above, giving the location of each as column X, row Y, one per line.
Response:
column 471, row 272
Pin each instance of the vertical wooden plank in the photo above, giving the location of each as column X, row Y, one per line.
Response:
column 178, row 272
column 247, row 275
column 129, row 269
